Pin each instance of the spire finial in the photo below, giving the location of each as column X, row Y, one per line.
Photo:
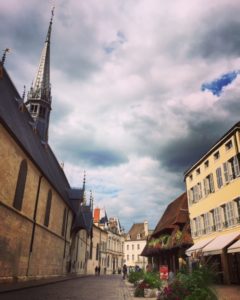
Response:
column 4, row 55
column 84, row 180
column 24, row 93
column 91, row 200
column 50, row 25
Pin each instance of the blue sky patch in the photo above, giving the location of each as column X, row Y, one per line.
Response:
column 217, row 85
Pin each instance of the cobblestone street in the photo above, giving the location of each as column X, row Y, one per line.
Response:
column 87, row 288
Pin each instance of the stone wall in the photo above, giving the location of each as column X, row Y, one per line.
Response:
column 50, row 250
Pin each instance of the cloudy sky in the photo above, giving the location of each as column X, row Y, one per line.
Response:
column 141, row 89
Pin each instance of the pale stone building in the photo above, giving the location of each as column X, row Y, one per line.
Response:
column 135, row 241
column 213, row 187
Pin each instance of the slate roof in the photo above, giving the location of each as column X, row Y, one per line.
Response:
column 83, row 219
column 137, row 228
column 18, row 125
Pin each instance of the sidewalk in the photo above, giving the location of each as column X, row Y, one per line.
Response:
column 228, row 292
column 19, row 285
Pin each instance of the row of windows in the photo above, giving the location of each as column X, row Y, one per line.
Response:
column 216, row 156
column 138, row 247
column 19, row 193
column 224, row 174
column 221, row 217
column 139, row 258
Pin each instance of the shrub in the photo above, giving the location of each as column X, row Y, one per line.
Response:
column 152, row 279
column 191, row 286
column 139, row 292
column 134, row 276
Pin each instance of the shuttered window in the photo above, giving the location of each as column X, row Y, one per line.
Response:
column 21, row 181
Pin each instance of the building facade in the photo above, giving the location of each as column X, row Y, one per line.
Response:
column 213, row 187
column 134, row 243
column 40, row 214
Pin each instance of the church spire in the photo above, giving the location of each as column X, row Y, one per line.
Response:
column 39, row 97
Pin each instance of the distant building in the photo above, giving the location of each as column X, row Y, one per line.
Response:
column 135, row 241
column 213, row 187
column 115, row 240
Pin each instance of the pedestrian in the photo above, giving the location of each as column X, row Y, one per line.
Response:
column 124, row 271
column 96, row 270
column 99, row 270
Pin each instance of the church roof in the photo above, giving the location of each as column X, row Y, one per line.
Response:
column 18, row 124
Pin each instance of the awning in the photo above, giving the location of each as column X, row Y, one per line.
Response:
column 198, row 246
column 234, row 248
column 219, row 243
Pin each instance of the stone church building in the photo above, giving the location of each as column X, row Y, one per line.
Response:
column 45, row 224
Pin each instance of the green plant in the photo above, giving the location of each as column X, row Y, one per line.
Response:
column 134, row 276
column 191, row 286
column 152, row 279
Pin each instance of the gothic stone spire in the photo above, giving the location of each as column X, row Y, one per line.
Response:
column 39, row 97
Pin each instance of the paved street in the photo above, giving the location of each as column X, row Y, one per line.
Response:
column 87, row 288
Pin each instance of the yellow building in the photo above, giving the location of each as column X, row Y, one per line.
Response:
column 213, row 187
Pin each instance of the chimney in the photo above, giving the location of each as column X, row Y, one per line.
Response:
column 146, row 228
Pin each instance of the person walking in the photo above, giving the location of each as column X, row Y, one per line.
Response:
column 124, row 271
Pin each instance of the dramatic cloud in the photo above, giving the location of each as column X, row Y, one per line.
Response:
column 138, row 90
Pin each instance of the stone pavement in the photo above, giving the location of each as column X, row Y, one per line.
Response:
column 124, row 291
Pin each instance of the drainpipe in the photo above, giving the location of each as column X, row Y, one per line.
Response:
column 34, row 223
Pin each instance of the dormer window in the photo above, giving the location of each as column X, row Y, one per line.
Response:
column 191, row 177
column 206, row 164
column 34, row 108
column 216, row 155
column 128, row 237
column 138, row 236
column 228, row 145
column 198, row 171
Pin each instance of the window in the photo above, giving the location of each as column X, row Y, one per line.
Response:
column 193, row 228
column 21, row 181
column 237, row 201
column 208, row 184
column 138, row 236
column 206, row 164
column 219, row 177
column 228, row 145
column 42, row 112
column 217, row 212
column 231, row 169
column 97, row 251
column 198, row 224
column 132, row 247
column 191, row 177
column 127, row 257
column 127, row 247
column 48, row 208
column 230, row 215
column 207, row 222
column 199, row 190
column 216, row 155
column 198, row 171
column 34, row 108
column 133, row 257
column 64, row 221
column 138, row 246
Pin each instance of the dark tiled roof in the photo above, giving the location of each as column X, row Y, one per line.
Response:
column 175, row 213
column 76, row 198
column 18, row 125
column 83, row 219
column 136, row 229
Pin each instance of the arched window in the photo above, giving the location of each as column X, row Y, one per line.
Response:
column 48, row 208
column 22, row 175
